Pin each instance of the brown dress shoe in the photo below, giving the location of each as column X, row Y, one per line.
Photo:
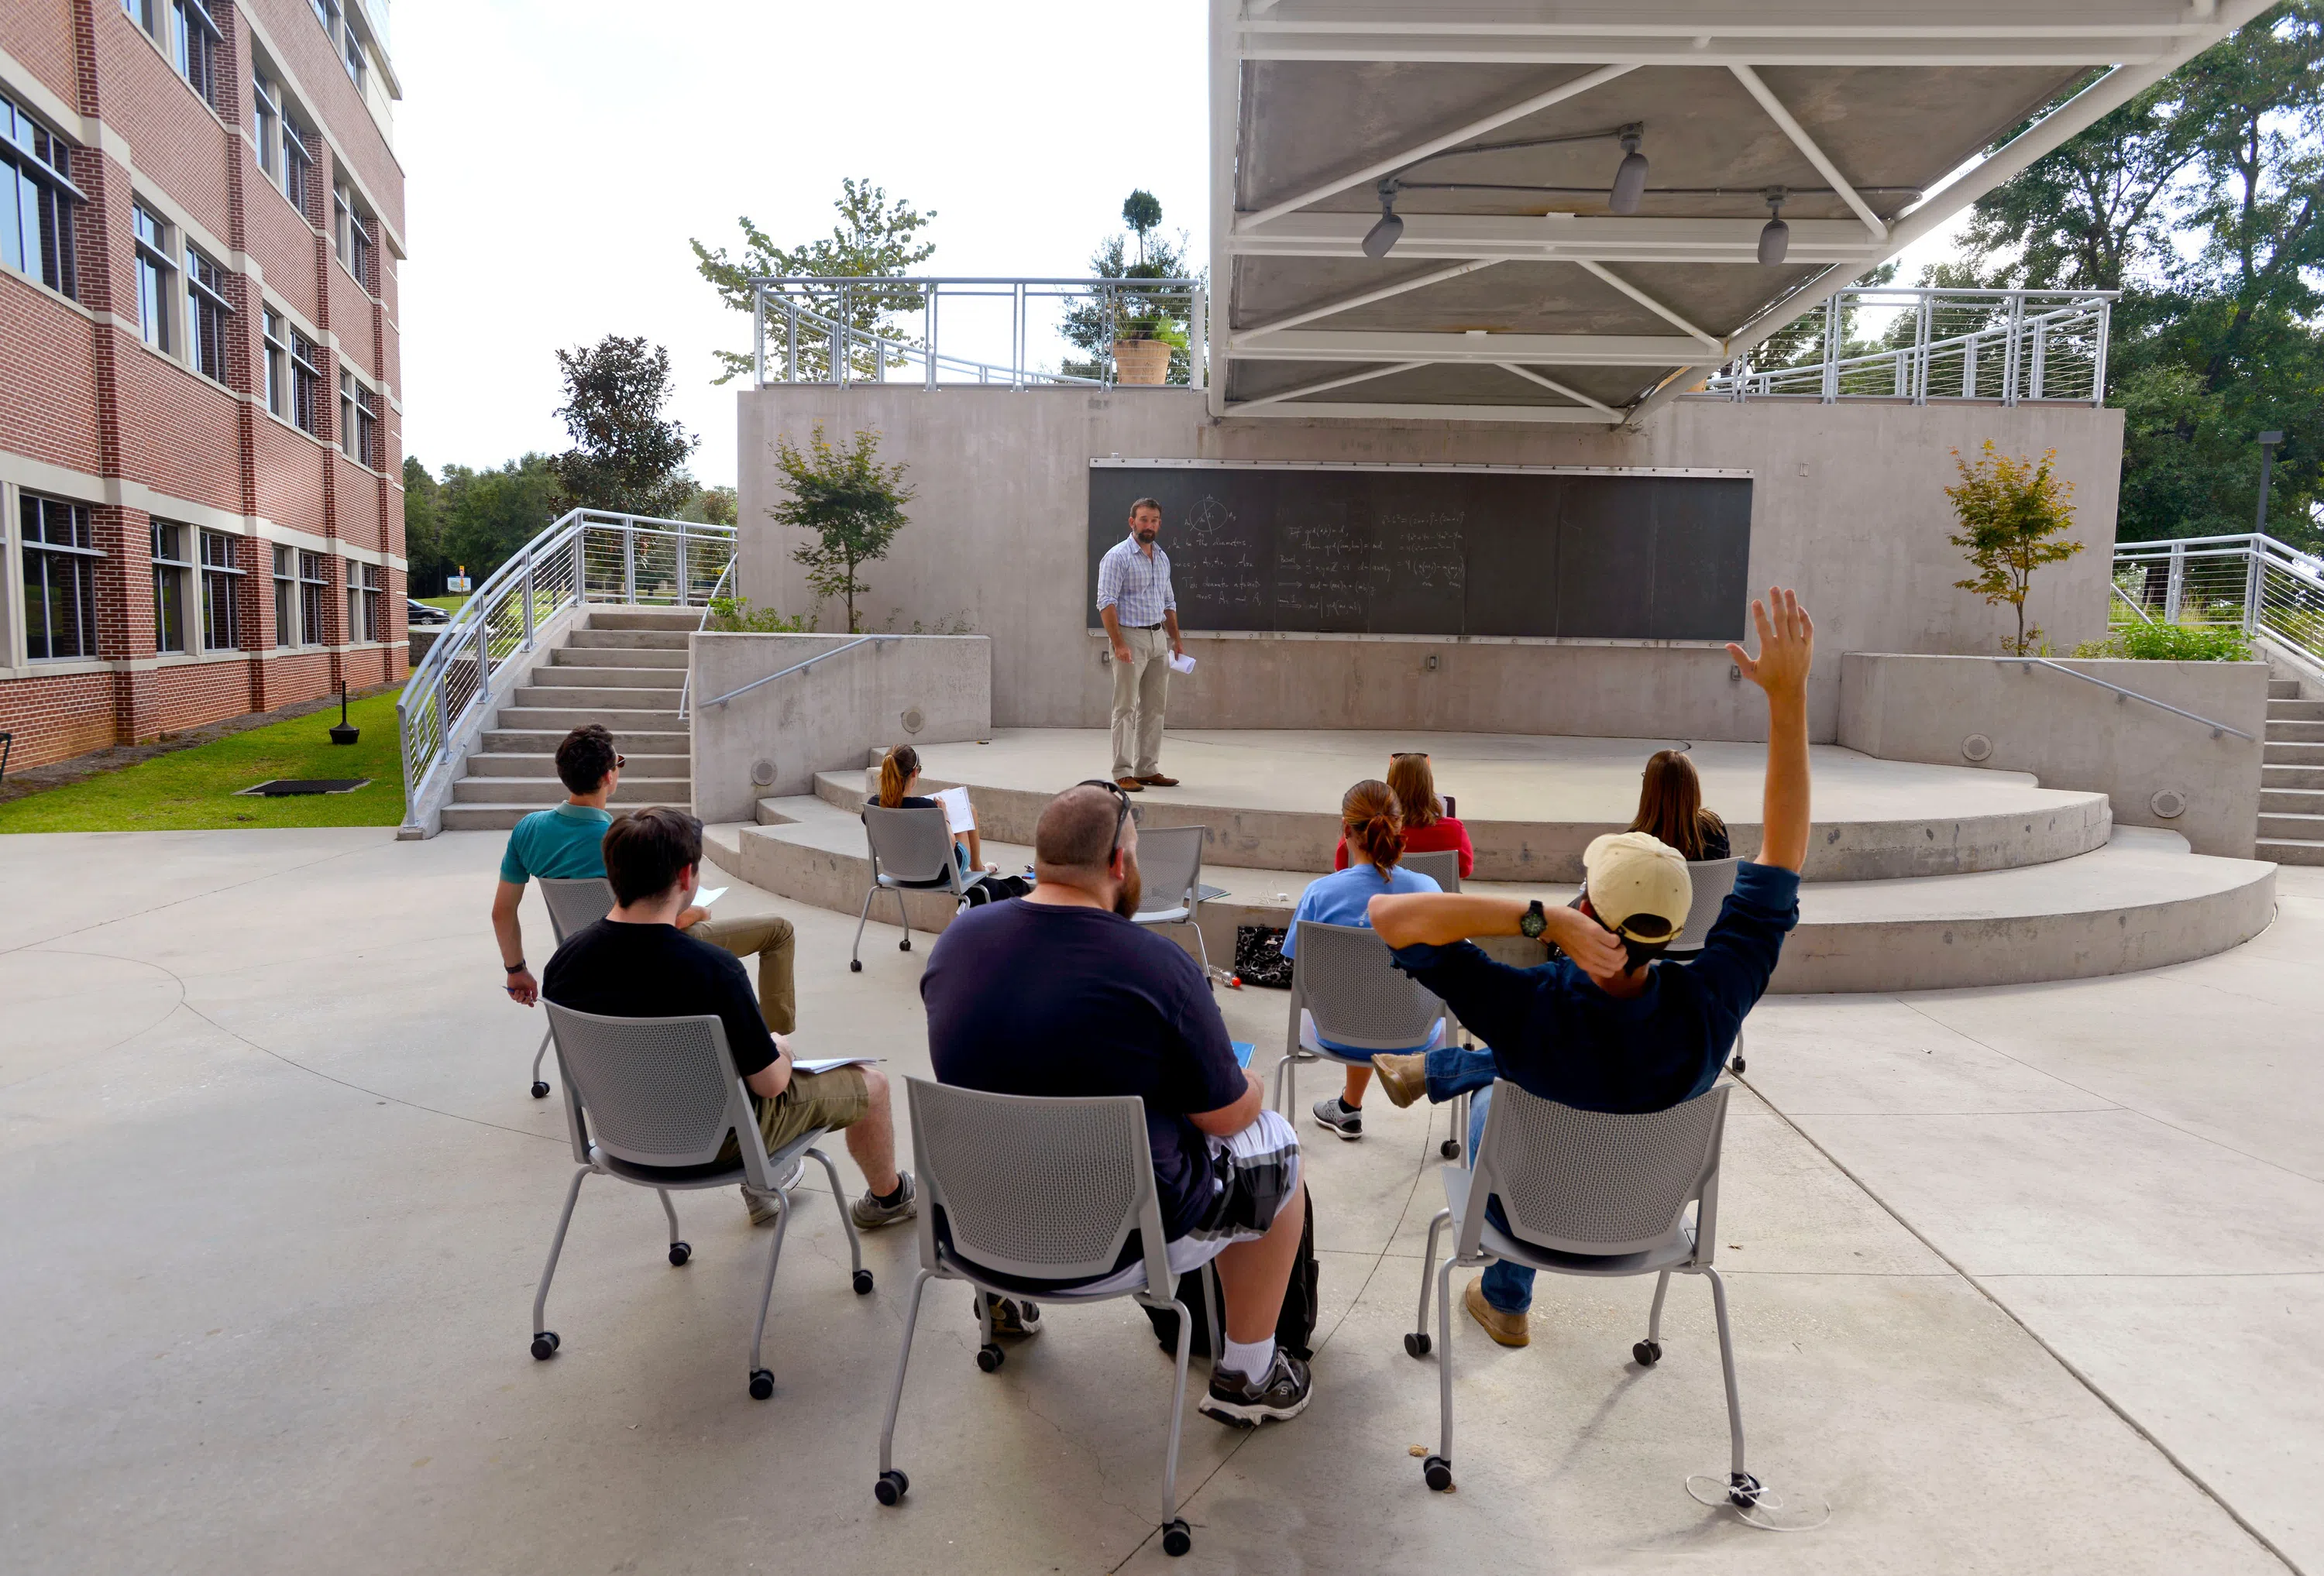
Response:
column 1130, row 785
column 1159, row 780
column 1508, row 1328
column 1402, row 1078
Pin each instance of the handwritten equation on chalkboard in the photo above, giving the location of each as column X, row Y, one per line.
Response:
column 1448, row 553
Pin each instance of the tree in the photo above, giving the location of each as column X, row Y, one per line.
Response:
column 852, row 503
column 423, row 531
column 711, row 506
column 488, row 515
column 626, row 459
column 874, row 238
column 2009, row 509
column 1094, row 325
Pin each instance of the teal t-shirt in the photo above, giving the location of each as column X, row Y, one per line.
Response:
column 562, row 844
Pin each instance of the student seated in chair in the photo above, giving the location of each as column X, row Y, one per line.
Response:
column 900, row 785
column 1429, row 826
column 1671, row 808
column 562, row 844
column 635, row 962
column 1060, row 994
column 1607, row 1028
column 1369, row 826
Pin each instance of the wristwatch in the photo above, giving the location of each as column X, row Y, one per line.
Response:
column 1533, row 921
column 518, row 967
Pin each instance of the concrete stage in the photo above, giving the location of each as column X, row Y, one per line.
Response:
column 1920, row 876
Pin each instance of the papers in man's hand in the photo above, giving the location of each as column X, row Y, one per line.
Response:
column 960, row 815
column 825, row 1063
column 708, row 896
column 1182, row 664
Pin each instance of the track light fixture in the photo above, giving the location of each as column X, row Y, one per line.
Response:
column 1630, row 175
column 1389, row 229
column 1776, row 236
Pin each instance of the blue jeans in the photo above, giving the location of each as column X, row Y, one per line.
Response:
column 1509, row 1288
column 1453, row 1071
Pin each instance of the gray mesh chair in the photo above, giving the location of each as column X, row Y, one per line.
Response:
column 1018, row 1194
column 1713, row 879
column 1170, row 861
column 574, row 904
column 1443, row 864
column 1587, row 1192
column 911, row 852
column 1344, row 987
column 651, row 1101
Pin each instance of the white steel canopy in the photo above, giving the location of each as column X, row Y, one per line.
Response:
column 1412, row 207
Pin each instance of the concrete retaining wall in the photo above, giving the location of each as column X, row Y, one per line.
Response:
column 1848, row 505
column 2075, row 735
column 827, row 716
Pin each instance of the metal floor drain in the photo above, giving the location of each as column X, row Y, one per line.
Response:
column 283, row 787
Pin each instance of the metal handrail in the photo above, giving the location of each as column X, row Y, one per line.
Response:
column 801, row 667
column 2216, row 728
column 716, row 587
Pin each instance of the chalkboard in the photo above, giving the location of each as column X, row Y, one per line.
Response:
column 1420, row 551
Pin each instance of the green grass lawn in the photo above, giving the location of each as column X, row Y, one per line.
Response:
column 451, row 604
column 194, row 789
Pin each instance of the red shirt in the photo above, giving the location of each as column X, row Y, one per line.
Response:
column 1440, row 835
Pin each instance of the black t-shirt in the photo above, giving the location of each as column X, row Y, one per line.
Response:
column 658, row 970
column 1041, row 999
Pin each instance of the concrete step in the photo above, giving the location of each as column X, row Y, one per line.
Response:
column 662, row 704
column 2283, row 689
column 682, row 621
column 2294, row 711
column 2283, row 752
column 509, row 764
column 2292, row 776
column 538, row 791
column 2139, row 902
column 569, row 676
column 628, row 640
column 633, row 742
column 567, row 710
column 2293, row 828
column 2281, row 732
column 2291, row 850
column 2290, row 801
column 502, row 816
column 617, row 657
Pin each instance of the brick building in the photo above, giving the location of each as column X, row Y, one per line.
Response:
column 201, row 215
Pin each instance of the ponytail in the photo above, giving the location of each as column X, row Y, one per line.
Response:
column 1374, row 828
column 896, row 770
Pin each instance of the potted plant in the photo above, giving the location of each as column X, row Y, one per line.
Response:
column 1141, row 352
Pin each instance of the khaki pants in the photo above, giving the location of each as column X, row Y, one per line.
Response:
column 1139, row 686
column 771, row 937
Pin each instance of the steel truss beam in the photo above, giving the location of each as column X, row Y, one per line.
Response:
column 1469, row 348
column 1358, row 411
column 1568, row 237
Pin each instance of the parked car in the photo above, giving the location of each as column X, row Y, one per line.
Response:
column 419, row 612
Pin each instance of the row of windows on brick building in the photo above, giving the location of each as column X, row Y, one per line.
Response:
column 199, row 595
column 192, row 38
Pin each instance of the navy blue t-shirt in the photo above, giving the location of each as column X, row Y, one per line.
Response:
column 1040, row 999
column 1555, row 1034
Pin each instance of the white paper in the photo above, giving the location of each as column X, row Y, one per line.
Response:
column 960, row 815
column 825, row 1063
column 708, row 896
column 1182, row 664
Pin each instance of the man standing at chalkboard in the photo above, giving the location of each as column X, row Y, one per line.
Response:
column 1142, row 619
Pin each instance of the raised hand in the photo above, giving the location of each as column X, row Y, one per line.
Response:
column 1786, row 645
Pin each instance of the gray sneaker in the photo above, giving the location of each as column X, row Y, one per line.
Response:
column 870, row 1214
column 1276, row 1395
column 1340, row 1118
column 761, row 1205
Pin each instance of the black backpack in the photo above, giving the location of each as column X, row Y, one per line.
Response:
column 1258, row 956
column 1294, row 1327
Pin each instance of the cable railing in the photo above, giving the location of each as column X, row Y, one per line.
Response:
column 2255, row 584
column 586, row 557
column 1012, row 333
column 1916, row 345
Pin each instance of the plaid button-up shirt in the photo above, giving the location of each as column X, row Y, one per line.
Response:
column 1138, row 588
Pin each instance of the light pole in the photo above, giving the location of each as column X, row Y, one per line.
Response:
column 2267, row 444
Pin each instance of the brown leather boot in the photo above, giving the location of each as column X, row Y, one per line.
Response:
column 1508, row 1328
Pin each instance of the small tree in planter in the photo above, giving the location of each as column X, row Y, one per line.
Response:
column 2009, row 509
column 853, row 503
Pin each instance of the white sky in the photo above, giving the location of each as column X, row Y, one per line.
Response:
column 559, row 154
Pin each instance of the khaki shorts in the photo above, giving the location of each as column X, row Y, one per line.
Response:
column 829, row 1101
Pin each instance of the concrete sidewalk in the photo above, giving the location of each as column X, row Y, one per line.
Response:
column 275, row 1199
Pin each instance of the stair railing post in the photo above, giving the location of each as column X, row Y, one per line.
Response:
column 629, row 564
column 2176, row 585
column 2252, row 587
column 684, row 585
column 528, row 599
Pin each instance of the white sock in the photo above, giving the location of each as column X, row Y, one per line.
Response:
column 1250, row 1359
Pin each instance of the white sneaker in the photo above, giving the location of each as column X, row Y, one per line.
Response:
column 761, row 1205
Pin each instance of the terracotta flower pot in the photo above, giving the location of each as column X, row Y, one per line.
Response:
column 1145, row 362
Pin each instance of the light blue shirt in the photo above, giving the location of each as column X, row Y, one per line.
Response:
column 1137, row 587
column 1340, row 898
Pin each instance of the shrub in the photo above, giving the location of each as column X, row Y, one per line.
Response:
column 734, row 615
column 2162, row 642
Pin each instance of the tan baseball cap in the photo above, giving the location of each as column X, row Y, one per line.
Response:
column 1633, row 880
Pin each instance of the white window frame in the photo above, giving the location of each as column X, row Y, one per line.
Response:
column 360, row 423
column 45, row 180
column 169, row 572
column 314, row 585
column 27, row 549
column 209, row 317
column 286, row 597
column 157, row 283
column 221, row 589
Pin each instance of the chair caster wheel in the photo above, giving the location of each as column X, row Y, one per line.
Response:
column 904, row 945
column 990, row 1357
column 680, row 1252
column 539, row 1090
column 892, row 1487
column 763, row 1383
column 1743, row 1490
column 1450, row 1148
column 1647, row 1352
column 1177, row 1539
column 1416, row 1343
column 863, row 1283
column 1737, row 1066
column 544, row 1345
column 854, row 965
column 1438, row 1472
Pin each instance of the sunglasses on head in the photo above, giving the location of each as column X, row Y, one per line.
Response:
column 1121, row 810
column 1408, row 755
column 619, row 761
